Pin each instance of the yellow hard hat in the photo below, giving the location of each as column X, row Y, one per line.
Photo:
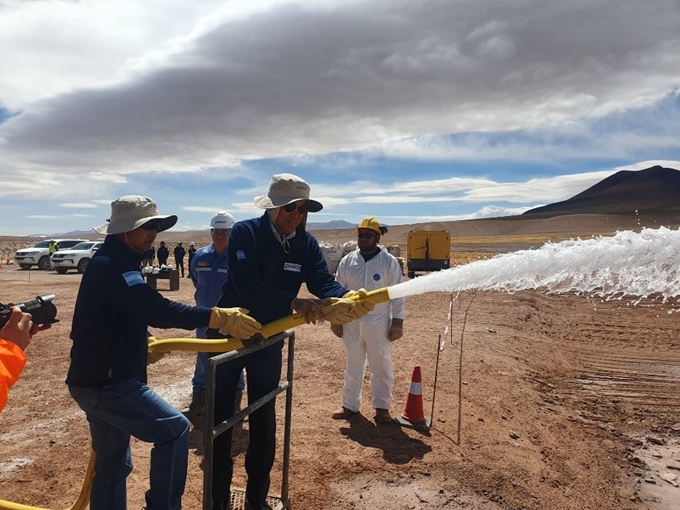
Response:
column 370, row 223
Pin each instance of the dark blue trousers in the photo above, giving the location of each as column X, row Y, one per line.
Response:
column 264, row 374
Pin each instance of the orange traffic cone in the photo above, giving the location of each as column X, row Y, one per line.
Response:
column 413, row 415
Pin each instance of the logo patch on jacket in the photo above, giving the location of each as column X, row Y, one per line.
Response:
column 133, row 278
column 202, row 263
column 289, row 266
column 240, row 255
column 376, row 277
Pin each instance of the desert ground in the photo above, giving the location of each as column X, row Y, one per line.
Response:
column 560, row 402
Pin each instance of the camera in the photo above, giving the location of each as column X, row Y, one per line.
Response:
column 41, row 308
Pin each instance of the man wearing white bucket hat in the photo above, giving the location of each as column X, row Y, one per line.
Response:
column 269, row 257
column 107, row 376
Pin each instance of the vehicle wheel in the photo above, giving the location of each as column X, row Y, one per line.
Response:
column 411, row 274
column 44, row 263
column 82, row 265
column 25, row 266
column 60, row 270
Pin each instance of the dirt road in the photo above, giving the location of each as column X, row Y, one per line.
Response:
column 567, row 403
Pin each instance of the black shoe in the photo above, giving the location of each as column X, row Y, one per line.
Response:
column 196, row 413
column 220, row 504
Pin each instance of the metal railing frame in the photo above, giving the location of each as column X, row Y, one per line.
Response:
column 211, row 432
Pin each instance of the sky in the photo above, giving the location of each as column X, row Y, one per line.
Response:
column 409, row 111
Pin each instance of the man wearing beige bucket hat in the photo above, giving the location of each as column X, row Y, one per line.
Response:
column 269, row 257
column 107, row 376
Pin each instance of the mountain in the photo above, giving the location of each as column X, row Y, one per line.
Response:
column 654, row 191
column 624, row 197
column 73, row 234
column 90, row 234
column 330, row 225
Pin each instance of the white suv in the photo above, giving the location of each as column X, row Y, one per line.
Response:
column 39, row 255
column 77, row 257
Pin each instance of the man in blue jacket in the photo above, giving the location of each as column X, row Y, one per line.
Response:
column 269, row 257
column 209, row 270
column 107, row 376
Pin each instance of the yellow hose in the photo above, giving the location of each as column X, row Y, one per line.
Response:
column 268, row 330
column 195, row 345
column 80, row 504
column 297, row 319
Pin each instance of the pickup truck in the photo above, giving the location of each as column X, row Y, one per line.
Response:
column 39, row 254
column 76, row 258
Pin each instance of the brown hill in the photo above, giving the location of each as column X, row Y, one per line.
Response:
column 654, row 191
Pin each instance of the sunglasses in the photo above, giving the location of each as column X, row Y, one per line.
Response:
column 303, row 209
column 152, row 225
column 365, row 236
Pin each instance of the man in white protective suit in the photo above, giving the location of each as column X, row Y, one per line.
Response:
column 370, row 339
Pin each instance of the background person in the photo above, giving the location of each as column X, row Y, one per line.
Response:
column 370, row 267
column 179, row 252
column 191, row 252
column 209, row 270
column 52, row 248
column 269, row 257
column 148, row 257
column 15, row 336
column 163, row 253
column 107, row 375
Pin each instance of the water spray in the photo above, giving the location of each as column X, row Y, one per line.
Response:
column 628, row 264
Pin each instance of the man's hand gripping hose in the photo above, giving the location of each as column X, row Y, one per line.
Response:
column 363, row 302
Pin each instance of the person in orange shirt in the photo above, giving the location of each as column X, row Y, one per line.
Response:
column 14, row 338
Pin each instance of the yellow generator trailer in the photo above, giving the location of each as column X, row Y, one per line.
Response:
column 427, row 250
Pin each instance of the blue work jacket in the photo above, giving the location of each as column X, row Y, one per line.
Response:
column 113, row 310
column 265, row 279
column 208, row 273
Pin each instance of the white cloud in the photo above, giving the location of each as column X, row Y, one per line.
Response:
column 184, row 86
column 382, row 104
column 43, row 217
column 83, row 205
column 647, row 164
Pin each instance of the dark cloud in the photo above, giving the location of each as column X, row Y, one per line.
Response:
column 303, row 79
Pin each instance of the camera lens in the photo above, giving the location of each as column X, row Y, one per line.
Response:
column 41, row 309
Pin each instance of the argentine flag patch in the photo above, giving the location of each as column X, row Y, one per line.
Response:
column 133, row 278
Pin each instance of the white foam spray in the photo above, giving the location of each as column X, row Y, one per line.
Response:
column 629, row 264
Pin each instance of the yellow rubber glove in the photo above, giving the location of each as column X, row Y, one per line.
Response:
column 153, row 357
column 360, row 307
column 356, row 294
column 234, row 322
column 339, row 312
